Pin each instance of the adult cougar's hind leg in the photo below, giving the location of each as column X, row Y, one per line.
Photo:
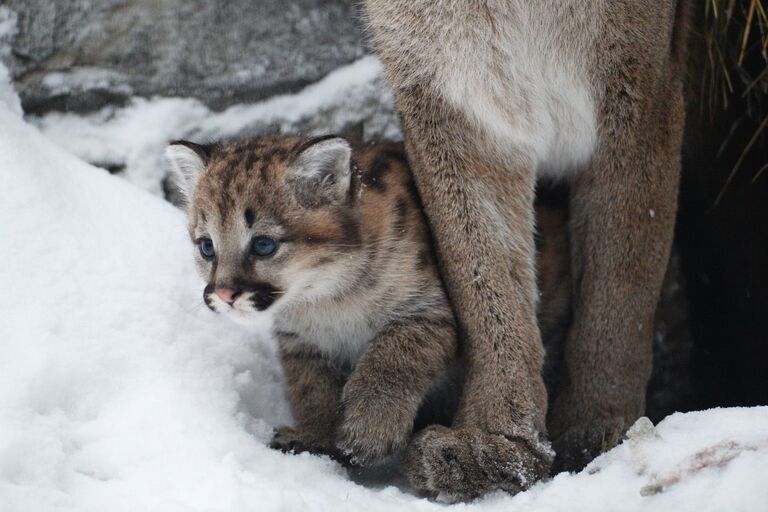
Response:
column 481, row 213
column 622, row 219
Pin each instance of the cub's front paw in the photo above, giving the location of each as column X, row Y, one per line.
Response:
column 295, row 440
column 373, row 430
column 461, row 464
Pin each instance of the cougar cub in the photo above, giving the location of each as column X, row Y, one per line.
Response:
column 333, row 248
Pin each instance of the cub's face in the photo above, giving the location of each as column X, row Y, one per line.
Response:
column 271, row 219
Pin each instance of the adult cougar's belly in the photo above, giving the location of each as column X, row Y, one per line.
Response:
column 528, row 92
column 517, row 69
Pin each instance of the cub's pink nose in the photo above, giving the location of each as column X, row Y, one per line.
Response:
column 228, row 295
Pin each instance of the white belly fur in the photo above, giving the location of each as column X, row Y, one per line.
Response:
column 525, row 88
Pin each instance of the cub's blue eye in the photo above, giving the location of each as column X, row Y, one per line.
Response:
column 206, row 248
column 263, row 246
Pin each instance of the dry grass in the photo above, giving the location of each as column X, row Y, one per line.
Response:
column 733, row 30
column 735, row 33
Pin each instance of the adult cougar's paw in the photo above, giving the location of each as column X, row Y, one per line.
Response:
column 462, row 464
column 373, row 430
column 577, row 446
column 294, row 440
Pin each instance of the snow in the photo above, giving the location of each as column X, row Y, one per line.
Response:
column 84, row 78
column 135, row 136
column 119, row 391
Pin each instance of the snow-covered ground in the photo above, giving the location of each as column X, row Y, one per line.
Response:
column 120, row 391
column 134, row 136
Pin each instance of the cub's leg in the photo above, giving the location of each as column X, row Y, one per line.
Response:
column 622, row 218
column 314, row 390
column 480, row 208
column 389, row 383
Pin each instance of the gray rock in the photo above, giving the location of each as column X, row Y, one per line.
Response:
column 83, row 54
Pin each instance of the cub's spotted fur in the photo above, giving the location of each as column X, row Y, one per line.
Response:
column 332, row 247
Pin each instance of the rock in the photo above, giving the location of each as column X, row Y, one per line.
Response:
column 83, row 54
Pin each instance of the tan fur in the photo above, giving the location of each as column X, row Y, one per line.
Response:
column 364, row 326
column 493, row 93
column 369, row 333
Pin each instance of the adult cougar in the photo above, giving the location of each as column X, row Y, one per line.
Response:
column 494, row 94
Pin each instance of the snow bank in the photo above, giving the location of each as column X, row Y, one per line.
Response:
column 119, row 391
column 135, row 136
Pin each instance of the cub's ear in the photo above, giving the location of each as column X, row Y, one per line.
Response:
column 187, row 161
column 320, row 173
